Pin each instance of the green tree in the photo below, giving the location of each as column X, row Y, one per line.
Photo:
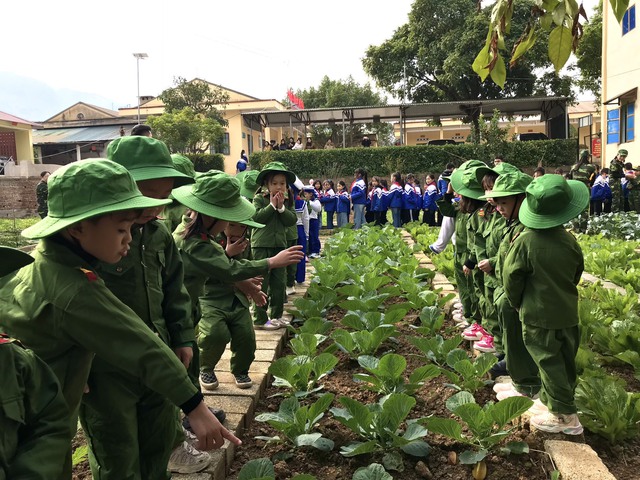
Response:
column 429, row 58
column 560, row 19
column 344, row 93
column 185, row 131
column 589, row 55
column 201, row 97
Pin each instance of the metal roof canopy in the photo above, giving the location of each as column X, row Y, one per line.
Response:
column 75, row 135
column 547, row 107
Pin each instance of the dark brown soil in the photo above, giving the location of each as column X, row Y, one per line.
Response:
column 81, row 470
column 430, row 401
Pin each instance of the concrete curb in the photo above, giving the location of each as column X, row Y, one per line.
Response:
column 574, row 461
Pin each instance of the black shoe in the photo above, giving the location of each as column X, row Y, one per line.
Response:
column 243, row 381
column 208, row 380
column 499, row 369
column 219, row 414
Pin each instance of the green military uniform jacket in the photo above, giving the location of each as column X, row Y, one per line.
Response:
column 33, row 416
column 172, row 215
column 540, row 277
column 61, row 309
column 154, row 263
column 210, row 274
column 274, row 234
column 493, row 233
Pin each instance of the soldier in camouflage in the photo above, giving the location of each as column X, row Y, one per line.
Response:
column 632, row 186
column 615, row 181
column 584, row 169
column 42, row 194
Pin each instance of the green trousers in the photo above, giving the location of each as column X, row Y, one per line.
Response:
column 291, row 269
column 554, row 352
column 634, row 199
column 219, row 326
column 131, row 430
column 465, row 290
column 617, row 199
column 273, row 285
column 521, row 367
column 477, row 279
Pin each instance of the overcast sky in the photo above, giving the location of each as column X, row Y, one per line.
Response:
column 252, row 46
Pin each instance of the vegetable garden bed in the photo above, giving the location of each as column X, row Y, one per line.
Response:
column 371, row 314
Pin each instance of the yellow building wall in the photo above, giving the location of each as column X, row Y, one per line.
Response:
column 620, row 74
column 24, row 140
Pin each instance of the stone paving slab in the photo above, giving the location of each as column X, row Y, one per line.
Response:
column 577, row 461
column 261, row 356
column 228, row 385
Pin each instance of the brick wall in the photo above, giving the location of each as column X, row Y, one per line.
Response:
column 18, row 194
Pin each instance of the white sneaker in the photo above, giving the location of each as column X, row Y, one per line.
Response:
column 460, row 320
column 569, row 424
column 186, row 459
column 503, row 387
column 291, row 290
column 457, row 306
column 282, row 321
column 538, row 407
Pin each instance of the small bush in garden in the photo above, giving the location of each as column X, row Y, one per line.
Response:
column 620, row 225
column 378, row 425
column 486, row 427
column 362, row 342
column 296, row 423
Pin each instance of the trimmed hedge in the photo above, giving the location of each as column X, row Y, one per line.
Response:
column 341, row 162
column 203, row 162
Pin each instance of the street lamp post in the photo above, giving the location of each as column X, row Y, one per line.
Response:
column 138, row 57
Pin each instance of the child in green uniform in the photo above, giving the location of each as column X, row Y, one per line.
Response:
column 61, row 308
column 507, row 194
column 274, row 209
column 33, row 420
column 134, row 432
column 465, row 184
column 541, row 274
column 172, row 214
column 215, row 201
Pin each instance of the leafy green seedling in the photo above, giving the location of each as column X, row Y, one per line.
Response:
column 300, row 374
column 468, row 375
column 362, row 343
column 436, row 349
column 487, row 426
column 386, row 374
column 378, row 425
column 296, row 423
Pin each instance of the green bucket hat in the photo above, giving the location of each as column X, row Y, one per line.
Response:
column 509, row 183
column 146, row 158
column 276, row 167
column 464, row 180
column 623, row 152
column 217, row 195
column 183, row 165
column 12, row 259
column 86, row 189
column 248, row 183
column 552, row 201
column 499, row 169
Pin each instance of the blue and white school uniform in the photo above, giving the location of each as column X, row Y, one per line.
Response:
column 410, row 203
column 429, row 206
column 343, row 207
column 359, row 200
column 329, row 202
column 395, row 203
column 315, row 211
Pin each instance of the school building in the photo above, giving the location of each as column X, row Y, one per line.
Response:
column 620, row 82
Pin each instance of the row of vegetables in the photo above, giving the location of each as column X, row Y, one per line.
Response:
column 610, row 333
column 373, row 276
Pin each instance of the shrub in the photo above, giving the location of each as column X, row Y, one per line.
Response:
column 203, row 162
column 420, row 159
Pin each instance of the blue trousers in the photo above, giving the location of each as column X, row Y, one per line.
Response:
column 302, row 264
column 314, row 235
column 343, row 219
column 397, row 217
column 330, row 219
column 358, row 216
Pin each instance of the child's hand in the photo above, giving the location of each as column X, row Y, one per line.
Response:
column 252, row 288
column 277, row 200
column 286, row 257
column 485, row 266
column 211, row 434
column 184, row 354
column 466, row 270
column 237, row 247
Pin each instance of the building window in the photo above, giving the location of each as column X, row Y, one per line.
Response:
column 613, row 126
column 621, row 124
column 224, row 146
column 627, row 123
column 629, row 20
